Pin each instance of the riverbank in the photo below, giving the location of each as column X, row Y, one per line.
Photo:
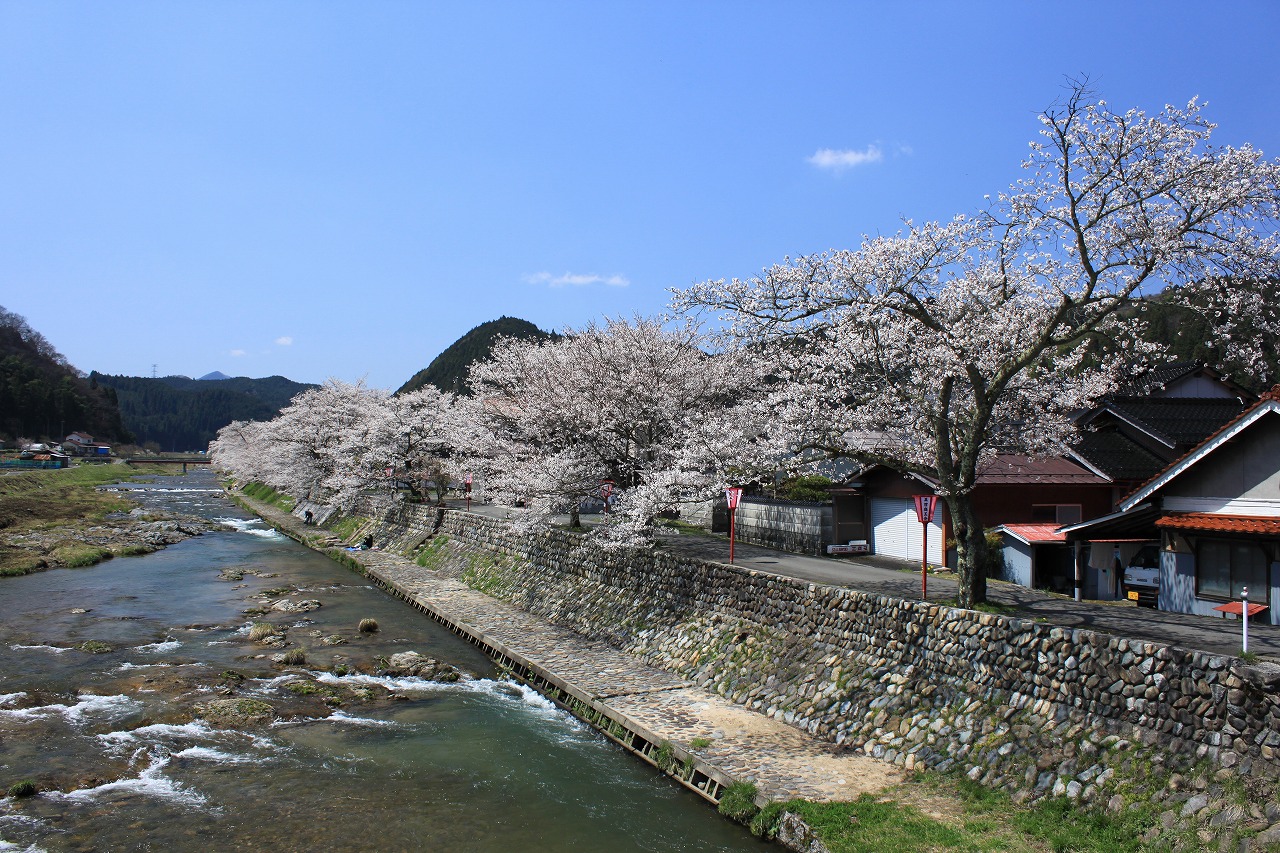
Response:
column 68, row 519
column 1136, row 793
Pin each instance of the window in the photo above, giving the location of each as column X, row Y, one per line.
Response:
column 1224, row 567
column 1058, row 514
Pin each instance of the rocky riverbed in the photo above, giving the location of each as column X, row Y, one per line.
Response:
column 82, row 543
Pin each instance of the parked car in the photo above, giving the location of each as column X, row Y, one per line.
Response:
column 1142, row 576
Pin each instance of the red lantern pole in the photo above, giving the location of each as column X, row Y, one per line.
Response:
column 468, row 490
column 732, row 496
column 926, row 505
column 606, row 489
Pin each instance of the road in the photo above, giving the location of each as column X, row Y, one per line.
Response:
column 895, row 578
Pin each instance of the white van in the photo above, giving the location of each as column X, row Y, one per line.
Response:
column 1142, row 576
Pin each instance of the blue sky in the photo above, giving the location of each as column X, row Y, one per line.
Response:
column 342, row 189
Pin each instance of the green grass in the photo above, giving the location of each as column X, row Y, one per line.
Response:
column 57, row 499
column 25, row 788
column 910, row 817
column 867, row 824
column 345, row 528
column 77, row 556
column 738, row 802
column 266, row 494
column 433, row 555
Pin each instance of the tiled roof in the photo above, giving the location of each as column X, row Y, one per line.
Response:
column 1211, row 523
column 1180, row 421
column 1159, row 377
column 1034, row 534
column 1118, row 456
column 1010, row 469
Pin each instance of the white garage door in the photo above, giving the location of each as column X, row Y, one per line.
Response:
column 896, row 533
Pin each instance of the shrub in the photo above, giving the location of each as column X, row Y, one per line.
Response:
column 368, row 626
column 261, row 630
column 25, row 788
column 739, row 802
column 810, row 487
column 294, row 657
column 765, row 823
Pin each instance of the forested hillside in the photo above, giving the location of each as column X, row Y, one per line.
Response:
column 179, row 413
column 448, row 371
column 1193, row 334
column 42, row 396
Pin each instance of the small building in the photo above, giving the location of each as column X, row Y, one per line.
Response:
column 82, row 444
column 1215, row 513
column 1011, row 490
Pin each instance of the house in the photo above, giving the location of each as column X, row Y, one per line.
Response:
column 1011, row 489
column 1215, row 512
column 82, row 444
column 1132, row 435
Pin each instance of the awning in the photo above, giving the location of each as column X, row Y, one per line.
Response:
column 1207, row 522
column 1138, row 523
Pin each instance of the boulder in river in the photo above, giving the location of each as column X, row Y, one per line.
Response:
column 286, row 605
column 234, row 713
column 421, row 666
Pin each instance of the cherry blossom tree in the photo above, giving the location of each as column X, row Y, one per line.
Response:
column 932, row 350
column 347, row 446
column 627, row 402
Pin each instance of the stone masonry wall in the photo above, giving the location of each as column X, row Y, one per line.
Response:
column 1011, row 702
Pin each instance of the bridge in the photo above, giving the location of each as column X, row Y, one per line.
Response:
column 184, row 460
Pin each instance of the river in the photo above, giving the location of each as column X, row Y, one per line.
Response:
column 354, row 761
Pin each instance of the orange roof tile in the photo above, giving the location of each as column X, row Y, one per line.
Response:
column 1035, row 534
column 1212, row 523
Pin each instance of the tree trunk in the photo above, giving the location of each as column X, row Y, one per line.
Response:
column 971, row 551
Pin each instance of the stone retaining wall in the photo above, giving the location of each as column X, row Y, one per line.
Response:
column 1011, row 702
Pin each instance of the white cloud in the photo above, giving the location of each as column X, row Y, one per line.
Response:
column 839, row 160
column 577, row 279
column 237, row 352
column 284, row 341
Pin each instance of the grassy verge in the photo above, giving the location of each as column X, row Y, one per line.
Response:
column 345, row 528
column 933, row 812
column 44, row 500
column 268, row 495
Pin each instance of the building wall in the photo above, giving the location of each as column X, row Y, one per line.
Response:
column 1017, row 562
column 1246, row 469
column 1178, row 583
column 801, row 528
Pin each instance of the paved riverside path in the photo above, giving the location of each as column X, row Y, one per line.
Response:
column 782, row 761
column 895, row 578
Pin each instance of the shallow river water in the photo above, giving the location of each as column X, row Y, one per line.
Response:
column 123, row 761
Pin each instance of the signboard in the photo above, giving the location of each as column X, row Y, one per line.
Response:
column 856, row 547
column 926, row 506
column 733, row 496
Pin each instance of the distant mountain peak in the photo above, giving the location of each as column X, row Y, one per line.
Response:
column 448, row 370
column 217, row 374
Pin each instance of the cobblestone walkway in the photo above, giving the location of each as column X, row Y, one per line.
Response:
column 782, row 761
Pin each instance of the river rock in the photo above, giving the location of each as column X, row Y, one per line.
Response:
column 795, row 834
column 420, row 666
column 234, row 713
column 304, row 606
